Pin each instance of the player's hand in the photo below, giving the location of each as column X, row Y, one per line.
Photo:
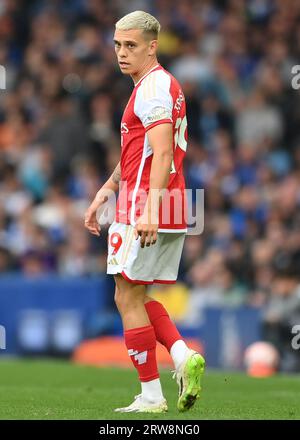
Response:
column 91, row 223
column 146, row 230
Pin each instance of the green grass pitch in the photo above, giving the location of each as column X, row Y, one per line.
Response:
column 43, row 389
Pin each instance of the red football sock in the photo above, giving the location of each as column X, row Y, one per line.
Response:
column 165, row 330
column 141, row 345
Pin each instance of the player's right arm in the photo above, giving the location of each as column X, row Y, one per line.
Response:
column 111, row 185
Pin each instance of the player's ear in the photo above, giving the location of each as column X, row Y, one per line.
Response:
column 153, row 47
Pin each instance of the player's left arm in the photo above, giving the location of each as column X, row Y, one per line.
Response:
column 161, row 141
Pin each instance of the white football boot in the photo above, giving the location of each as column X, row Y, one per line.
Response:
column 141, row 405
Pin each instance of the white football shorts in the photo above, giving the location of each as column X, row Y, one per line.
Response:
column 157, row 263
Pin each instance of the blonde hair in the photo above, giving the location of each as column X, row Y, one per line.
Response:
column 139, row 20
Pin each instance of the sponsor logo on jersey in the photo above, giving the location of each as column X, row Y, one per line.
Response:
column 157, row 114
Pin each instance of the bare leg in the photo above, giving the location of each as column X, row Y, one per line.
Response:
column 147, row 299
column 129, row 299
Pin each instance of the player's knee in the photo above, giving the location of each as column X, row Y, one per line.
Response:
column 118, row 298
column 126, row 302
column 121, row 300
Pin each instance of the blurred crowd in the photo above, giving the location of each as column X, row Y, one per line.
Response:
column 59, row 136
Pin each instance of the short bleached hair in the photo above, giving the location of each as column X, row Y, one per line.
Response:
column 140, row 20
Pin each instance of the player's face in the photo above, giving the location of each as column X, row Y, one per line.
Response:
column 133, row 50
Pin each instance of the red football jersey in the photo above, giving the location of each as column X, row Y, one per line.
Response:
column 157, row 98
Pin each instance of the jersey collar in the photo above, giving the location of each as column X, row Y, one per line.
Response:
column 146, row 74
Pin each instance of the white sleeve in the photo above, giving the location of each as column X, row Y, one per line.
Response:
column 153, row 103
